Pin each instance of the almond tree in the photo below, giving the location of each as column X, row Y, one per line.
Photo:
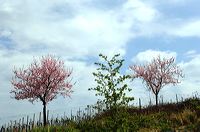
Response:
column 42, row 81
column 158, row 73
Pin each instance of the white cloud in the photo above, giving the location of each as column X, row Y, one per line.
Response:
column 190, row 83
column 140, row 11
column 171, row 2
column 5, row 33
column 76, row 28
column 176, row 1
column 148, row 55
column 170, row 27
column 188, row 29
column 191, row 69
column 159, row 21
column 191, row 52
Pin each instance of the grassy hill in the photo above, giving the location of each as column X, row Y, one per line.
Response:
column 182, row 116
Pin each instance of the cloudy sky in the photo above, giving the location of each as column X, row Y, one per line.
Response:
column 77, row 31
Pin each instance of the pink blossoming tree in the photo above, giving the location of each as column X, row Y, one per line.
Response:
column 158, row 73
column 42, row 81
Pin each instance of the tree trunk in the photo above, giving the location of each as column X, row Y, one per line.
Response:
column 114, row 117
column 156, row 99
column 44, row 114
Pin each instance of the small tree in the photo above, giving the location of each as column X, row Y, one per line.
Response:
column 111, row 83
column 158, row 73
column 42, row 81
column 111, row 86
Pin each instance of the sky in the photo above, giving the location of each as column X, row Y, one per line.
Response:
column 77, row 31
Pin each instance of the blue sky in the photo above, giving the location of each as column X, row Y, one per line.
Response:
column 77, row 31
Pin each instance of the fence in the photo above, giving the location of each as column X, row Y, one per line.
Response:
column 29, row 122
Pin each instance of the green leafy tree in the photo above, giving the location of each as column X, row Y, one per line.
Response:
column 111, row 85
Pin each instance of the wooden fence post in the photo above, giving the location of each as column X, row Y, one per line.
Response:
column 11, row 125
column 71, row 115
column 7, row 126
column 27, row 124
column 47, row 116
column 30, row 123
column 140, row 104
column 52, row 120
column 19, row 124
column 15, row 123
column 150, row 102
column 22, row 120
column 39, row 119
column 176, row 99
column 90, row 111
column 34, row 120
column 4, row 128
